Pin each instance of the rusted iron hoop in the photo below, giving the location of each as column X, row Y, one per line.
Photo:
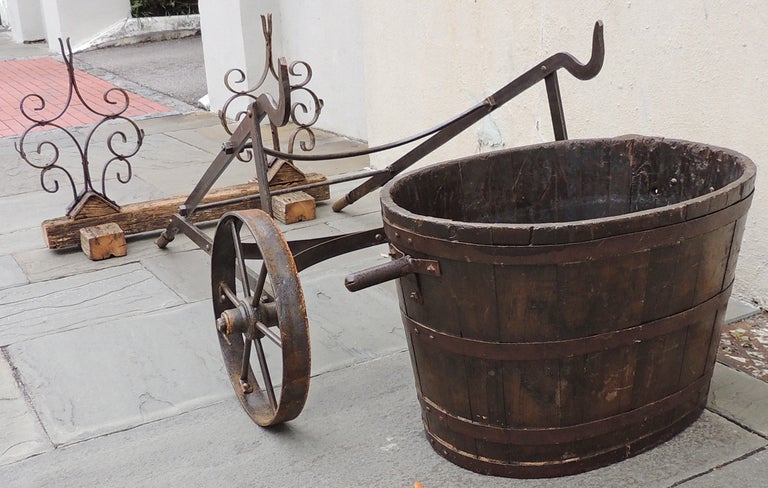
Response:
column 245, row 318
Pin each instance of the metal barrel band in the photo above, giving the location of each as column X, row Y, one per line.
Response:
column 541, row 436
column 536, row 351
column 557, row 467
column 592, row 250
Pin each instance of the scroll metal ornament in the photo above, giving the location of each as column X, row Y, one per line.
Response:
column 302, row 114
column 47, row 156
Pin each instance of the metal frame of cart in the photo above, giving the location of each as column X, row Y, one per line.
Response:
column 265, row 301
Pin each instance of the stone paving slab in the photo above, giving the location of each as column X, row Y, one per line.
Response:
column 21, row 435
column 21, row 240
column 172, row 123
column 18, row 176
column 751, row 472
column 10, row 273
column 738, row 310
column 115, row 375
column 208, row 138
column 29, row 210
column 370, row 326
column 740, row 397
column 328, row 144
column 46, row 264
column 186, row 176
column 361, row 427
column 163, row 152
column 40, row 309
column 186, row 273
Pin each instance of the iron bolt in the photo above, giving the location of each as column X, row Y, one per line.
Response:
column 221, row 324
column 414, row 295
column 543, row 68
column 431, row 268
column 247, row 388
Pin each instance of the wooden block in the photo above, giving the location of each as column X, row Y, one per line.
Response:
column 103, row 241
column 293, row 207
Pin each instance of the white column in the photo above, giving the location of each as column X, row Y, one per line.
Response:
column 327, row 35
column 81, row 20
column 232, row 38
column 26, row 20
column 4, row 12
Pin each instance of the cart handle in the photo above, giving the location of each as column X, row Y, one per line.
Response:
column 396, row 268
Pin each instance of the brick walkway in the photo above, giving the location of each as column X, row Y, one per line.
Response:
column 48, row 78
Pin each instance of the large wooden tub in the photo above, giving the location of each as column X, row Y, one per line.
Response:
column 575, row 321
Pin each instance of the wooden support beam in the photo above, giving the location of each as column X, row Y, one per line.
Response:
column 152, row 215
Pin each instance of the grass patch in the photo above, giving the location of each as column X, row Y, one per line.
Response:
column 161, row 8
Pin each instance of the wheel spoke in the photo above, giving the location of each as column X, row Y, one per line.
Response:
column 270, row 390
column 229, row 293
column 240, row 262
column 260, row 285
column 269, row 334
column 246, row 364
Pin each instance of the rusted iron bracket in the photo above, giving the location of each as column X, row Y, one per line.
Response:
column 400, row 266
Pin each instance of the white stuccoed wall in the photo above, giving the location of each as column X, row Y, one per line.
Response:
column 327, row 35
column 4, row 12
column 80, row 20
column 688, row 69
column 25, row 19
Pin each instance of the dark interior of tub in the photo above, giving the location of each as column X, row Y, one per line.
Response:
column 567, row 181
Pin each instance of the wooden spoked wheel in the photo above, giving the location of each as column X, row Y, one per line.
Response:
column 261, row 318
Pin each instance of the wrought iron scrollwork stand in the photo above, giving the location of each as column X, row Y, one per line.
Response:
column 49, row 153
column 302, row 114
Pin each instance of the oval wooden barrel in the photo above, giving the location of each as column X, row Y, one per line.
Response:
column 575, row 321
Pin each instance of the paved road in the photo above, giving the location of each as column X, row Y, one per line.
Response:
column 174, row 68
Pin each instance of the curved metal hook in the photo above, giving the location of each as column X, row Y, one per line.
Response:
column 279, row 113
column 573, row 66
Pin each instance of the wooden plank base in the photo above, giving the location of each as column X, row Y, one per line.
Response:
column 136, row 218
column 103, row 241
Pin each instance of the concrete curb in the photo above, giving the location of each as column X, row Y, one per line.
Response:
column 143, row 29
